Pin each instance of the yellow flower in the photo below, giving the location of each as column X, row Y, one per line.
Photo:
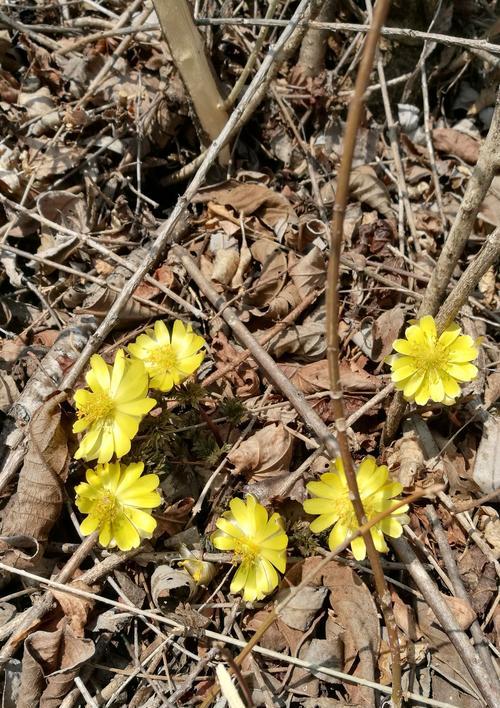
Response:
column 201, row 571
column 428, row 367
column 259, row 544
column 169, row 359
column 113, row 408
column 117, row 500
column 331, row 500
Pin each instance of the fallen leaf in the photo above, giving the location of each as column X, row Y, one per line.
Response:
column 406, row 459
column 454, row 142
column 366, row 187
column 268, row 451
column 37, row 503
column 50, row 663
column 225, row 265
column 273, row 209
column 314, row 377
column 309, row 272
column 303, row 608
column 385, row 330
column 486, row 473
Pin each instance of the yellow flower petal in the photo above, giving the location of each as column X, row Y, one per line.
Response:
column 358, row 548
column 428, row 367
column 122, row 518
column 259, row 544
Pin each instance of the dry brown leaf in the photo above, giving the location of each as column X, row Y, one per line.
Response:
column 75, row 608
column 273, row 209
column 314, row 377
column 243, row 376
column 454, row 142
column 225, row 265
column 492, row 390
column 50, row 663
column 272, row 277
column 9, row 392
column 169, row 586
column 303, row 608
column 267, row 452
column 366, row 187
column 479, row 577
column 486, row 472
column 406, row 459
column 36, row 505
column 490, row 208
column 307, row 340
column 385, row 330
column 285, row 301
column 309, row 272
column 487, row 286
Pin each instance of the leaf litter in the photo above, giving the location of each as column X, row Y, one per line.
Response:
column 85, row 177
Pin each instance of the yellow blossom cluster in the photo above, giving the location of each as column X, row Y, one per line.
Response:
column 117, row 499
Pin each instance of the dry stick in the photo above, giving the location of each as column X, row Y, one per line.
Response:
column 477, row 187
column 486, row 257
column 459, row 589
column 332, row 323
column 395, row 33
column 261, row 38
column 459, row 638
column 195, row 67
column 164, row 233
column 35, row 614
column 274, row 614
column 272, row 332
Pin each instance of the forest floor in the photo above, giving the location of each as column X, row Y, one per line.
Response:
column 119, row 208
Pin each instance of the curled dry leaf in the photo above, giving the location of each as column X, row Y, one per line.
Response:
column 50, row 663
column 314, row 377
column 406, row 458
column 36, row 505
column 225, row 265
column 307, row 340
column 486, row 472
column 308, row 273
column 272, row 277
column 169, row 586
column 273, row 209
column 76, row 609
column 366, row 187
column 268, row 451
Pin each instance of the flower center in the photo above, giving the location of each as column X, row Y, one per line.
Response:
column 347, row 515
column 99, row 406
column 245, row 551
column 431, row 357
column 163, row 357
column 107, row 507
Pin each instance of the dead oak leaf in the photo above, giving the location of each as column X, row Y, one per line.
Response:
column 268, row 451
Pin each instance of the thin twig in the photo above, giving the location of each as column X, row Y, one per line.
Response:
column 390, row 32
column 332, row 318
